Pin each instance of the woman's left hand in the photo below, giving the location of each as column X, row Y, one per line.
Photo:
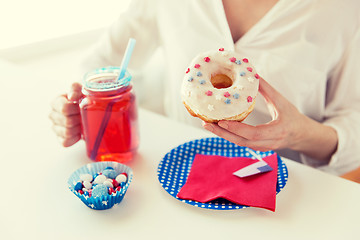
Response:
column 288, row 129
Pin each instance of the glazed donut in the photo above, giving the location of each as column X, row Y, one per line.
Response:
column 220, row 85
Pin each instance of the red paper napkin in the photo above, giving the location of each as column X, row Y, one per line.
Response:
column 211, row 177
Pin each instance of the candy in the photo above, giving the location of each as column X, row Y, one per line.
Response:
column 121, row 178
column 232, row 59
column 257, row 76
column 108, row 183
column 207, row 59
column 249, row 69
column 110, row 173
column 99, row 190
column 197, row 65
column 78, row 186
column 188, row 70
column 221, row 49
column 86, row 177
column 87, row 184
column 245, row 60
column 111, row 191
column 226, row 94
column 115, row 183
column 100, row 179
column 249, row 99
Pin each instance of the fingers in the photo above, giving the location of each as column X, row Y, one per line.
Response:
column 255, row 133
column 68, row 136
column 258, row 145
column 75, row 92
column 63, row 106
column 65, row 116
column 66, row 121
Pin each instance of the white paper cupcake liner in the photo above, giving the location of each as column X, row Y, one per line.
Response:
column 103, row 202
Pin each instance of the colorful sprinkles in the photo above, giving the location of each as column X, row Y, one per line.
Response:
column 227, row 95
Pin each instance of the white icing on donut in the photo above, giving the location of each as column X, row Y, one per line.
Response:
column 200, row 95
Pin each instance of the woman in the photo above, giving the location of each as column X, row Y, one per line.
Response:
column 306, row 50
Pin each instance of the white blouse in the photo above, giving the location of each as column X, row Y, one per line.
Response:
column 306, row 49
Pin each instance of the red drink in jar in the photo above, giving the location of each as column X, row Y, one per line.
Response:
column 109, row 116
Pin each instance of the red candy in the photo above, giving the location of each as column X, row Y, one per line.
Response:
column 221, row 49
column 207, row 59
column 249, row 69
column 188, row 70
column 249, row 99
column 118, row 189
column 81, row 192
column 209, row 93
column 245, row 60
column 257, row 76
column 197, row 66
column 227, row 94
column 115, row 183
column 111, row 191
column 232, row 59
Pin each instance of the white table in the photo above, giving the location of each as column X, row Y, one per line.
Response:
column 35, row 202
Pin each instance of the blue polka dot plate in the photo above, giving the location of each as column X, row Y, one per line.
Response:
column 175, row 167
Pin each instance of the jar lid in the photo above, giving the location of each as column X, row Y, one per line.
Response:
column 105, row 79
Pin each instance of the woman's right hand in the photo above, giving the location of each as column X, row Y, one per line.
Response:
column 65, row 116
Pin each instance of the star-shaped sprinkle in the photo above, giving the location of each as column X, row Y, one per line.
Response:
column 236, row 96
column 226, row 94
column 211, row 107
column 245, row 60
column 251, row 79
column 249, row 99
column 232, row 59
column 249, row 69
column 209, row 93
column 190, row 79
column 238, row 62
column 227, row 101
column 197, row 65
column 218, row 97
column 206, row 59
column 199, row 74
column 257, row 76
column 202, row 81
column 242, row 74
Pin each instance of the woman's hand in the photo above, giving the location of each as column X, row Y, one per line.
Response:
column 65, row 116
column 288, row 129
